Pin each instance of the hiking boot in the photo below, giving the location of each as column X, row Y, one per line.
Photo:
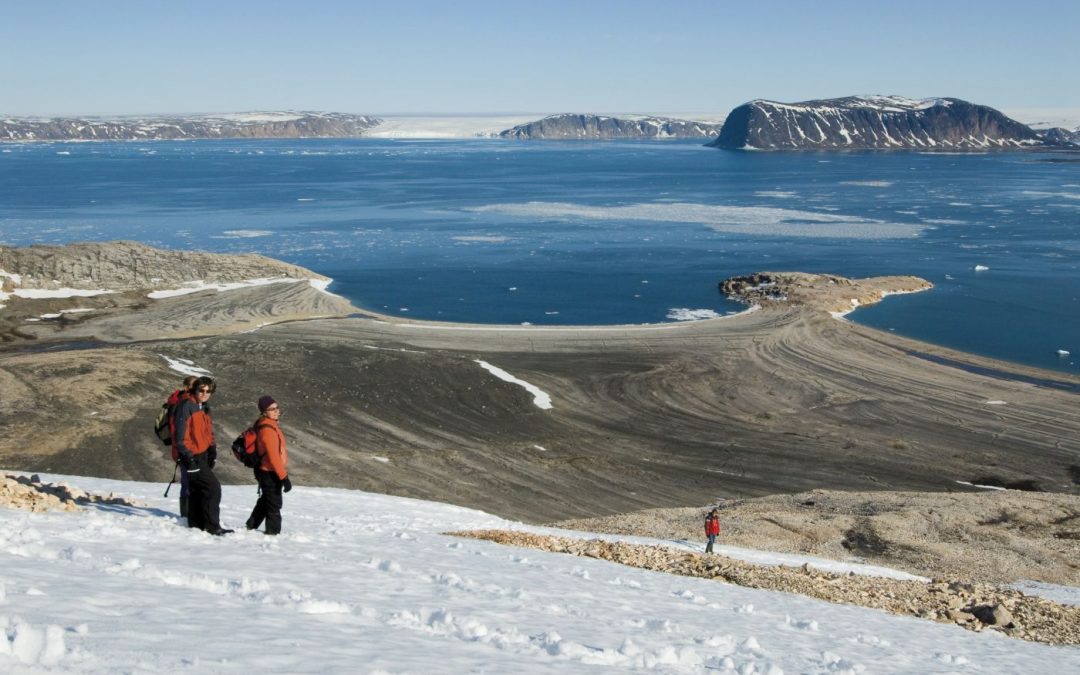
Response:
column 219, row 531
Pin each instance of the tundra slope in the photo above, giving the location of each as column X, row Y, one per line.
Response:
column 785, row 399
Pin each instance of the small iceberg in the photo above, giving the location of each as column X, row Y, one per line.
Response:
column 1063, row 352
column 981, row 268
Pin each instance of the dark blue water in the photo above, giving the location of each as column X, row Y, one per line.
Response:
column 591, row 233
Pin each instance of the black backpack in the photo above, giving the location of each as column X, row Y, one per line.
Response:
column 161, row 424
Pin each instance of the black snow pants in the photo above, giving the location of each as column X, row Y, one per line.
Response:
column 204, row 502
column 269, row 505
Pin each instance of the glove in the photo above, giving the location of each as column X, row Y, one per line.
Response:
column 286, row 484
column 188, row 463
column 211, row 455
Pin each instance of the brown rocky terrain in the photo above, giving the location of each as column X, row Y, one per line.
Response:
column 769, row 404
column 29, row 493
column 1000, row 536
column 973, row 606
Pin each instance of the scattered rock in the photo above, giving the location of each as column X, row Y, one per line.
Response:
column 31, row 494
column 985, row 605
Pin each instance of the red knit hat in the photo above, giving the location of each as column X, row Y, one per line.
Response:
column 265, row 402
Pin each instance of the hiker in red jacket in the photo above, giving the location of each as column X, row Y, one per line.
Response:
column 712, row 529
column 174, row 399
column 273, row 469
column 193, row 440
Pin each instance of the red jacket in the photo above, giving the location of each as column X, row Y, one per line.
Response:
column 270, row 444
column 712, row 525
column 193, row 430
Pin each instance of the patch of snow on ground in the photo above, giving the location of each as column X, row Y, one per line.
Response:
column 197, row 286
column 981, row 487
column 540, row 398
column 184, row 366
column 366, row 581
column 48, row 293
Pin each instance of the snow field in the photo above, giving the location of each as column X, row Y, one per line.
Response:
column 362, row 582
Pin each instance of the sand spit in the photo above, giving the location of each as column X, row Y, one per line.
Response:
column 975, row 607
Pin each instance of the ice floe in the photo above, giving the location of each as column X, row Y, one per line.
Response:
column 751, row 220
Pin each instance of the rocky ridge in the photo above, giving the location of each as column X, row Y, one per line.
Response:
column 873, row 123
column 975, row 607
column 584, row 127
column 251, row 125
column 124, row 291
column 124, row 265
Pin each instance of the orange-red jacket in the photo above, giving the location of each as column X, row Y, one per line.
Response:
column 270, row 444
column 712, row 525
column 193, row 429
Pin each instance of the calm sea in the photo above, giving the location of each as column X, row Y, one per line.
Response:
column 592, row 233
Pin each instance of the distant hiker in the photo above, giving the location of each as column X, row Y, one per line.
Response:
column 193, row 441
column 712, row 529
column 169, row 408
column 273, row 470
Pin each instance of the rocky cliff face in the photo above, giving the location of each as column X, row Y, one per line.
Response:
column 1061, row 136
column 876, row 123
column 123, row 266
column 572, row 126
column 255, row 125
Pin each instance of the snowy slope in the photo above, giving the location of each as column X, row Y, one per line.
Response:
column 365, row 583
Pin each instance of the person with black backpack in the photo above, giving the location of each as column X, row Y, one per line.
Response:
column 193, row 439
column 163, row 427
column 272, row 471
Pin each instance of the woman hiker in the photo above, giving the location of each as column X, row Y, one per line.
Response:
column 273, row 469
column 193, row 440
column 712, row 529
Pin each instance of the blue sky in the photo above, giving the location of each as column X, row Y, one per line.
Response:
column 108, row 57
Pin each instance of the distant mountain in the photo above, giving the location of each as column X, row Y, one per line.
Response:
column 872, row 122
column 588, row 127
column 245, row 125
column 1061, row 136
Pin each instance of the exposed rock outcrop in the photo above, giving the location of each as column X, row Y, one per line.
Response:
column 249, row 125
column 124, row 265
column 29, row 493
column 874, row 123
column 122, row 291
column 586, row 127
column 826, row 292
column 1062, row 136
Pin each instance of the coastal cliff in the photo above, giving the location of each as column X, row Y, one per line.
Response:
column 873, row 123
column 243, row 125
column 575, row 126
column 126, row 265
